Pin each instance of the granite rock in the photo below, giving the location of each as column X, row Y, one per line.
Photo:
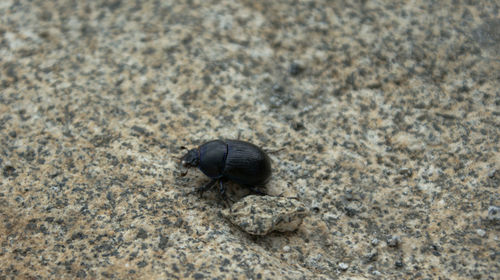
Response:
column 388, row 113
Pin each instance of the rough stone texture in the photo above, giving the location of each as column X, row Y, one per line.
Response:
column 260, row 215
column 388, row 112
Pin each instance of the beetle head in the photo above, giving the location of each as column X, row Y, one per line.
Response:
column 190, row 159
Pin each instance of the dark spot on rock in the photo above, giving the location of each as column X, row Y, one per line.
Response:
column 244, row 224
column 81, row 274
column 46, row 15
column 350, row 212
column 488, row 34
column 163, row 242
column 139, row 130
column 188, row 96
column 149, row 51
column 142, row 234
column 107, row 274
column 198, row 276
column 226, row 262
column 348, row 195
column 351, row 80
column 193, row 116
column 101, row 140
column 407, row 172
column 43, row 229
column 129, row 159
column 187, row 40
column 9, row 171
column 110, row 197
column 31, row 226
column 11, row 72
column 106, row 247
column 353, row 225
column 142, row 264
column 132, row 256
column 371, row 257
column 278, row 88
column 494, row 214
column 295, row 69
column 87, row 30
column 350, row 145
column 76, row 236
column 393, row 241
column 29, row 155
column 44, row 35
column 113, row 5
column 476, row 241
column 320, row 148
column 207, row 80
column 463, row 89
column 298, row 126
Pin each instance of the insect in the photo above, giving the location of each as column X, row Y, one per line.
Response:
column 238, row 161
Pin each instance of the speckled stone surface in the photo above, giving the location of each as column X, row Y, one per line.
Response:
column 389, row 114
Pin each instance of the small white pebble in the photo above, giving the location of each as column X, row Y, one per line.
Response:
column 481, row 232
column 343, row 266
column 286, row 249
column 375, row 241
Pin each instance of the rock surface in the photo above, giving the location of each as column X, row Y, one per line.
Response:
column 388, row 112
column 260, row 215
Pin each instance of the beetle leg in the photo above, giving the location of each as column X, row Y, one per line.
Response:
column 256, row 191
column 222, row 191
column 205, row 187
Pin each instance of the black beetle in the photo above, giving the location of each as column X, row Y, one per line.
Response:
column 235, row 160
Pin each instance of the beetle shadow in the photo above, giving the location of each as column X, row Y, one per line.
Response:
column 234, row 191
column 237, row 192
